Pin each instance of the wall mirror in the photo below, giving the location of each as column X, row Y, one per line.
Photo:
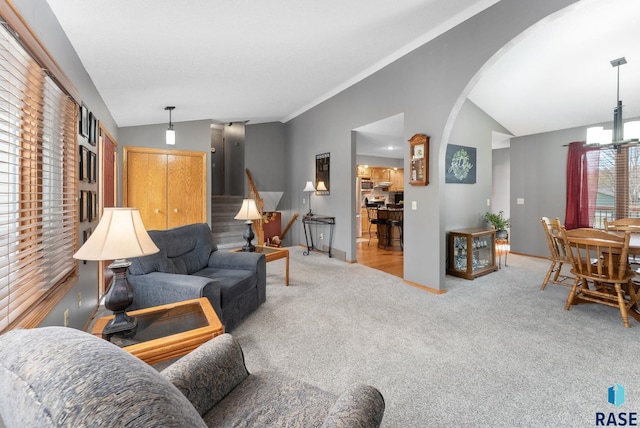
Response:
column 322, row 174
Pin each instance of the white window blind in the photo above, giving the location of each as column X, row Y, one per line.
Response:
column 37, row 182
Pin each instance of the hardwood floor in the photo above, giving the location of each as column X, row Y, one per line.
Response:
column 390, row 260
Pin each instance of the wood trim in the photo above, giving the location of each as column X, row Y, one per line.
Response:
column 33, row 44
column 40, row 311
column 424, row 287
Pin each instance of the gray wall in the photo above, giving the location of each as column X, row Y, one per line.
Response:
column 429, row 86
column 501, row 191
column 466, row 204
column 538, row 174
column 264, row 155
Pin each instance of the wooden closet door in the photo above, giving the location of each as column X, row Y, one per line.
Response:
column 146, row 187
column 186, row 190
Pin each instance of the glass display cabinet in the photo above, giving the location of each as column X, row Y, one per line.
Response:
column 472, row 252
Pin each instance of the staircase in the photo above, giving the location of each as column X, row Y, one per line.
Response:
column 227, row 232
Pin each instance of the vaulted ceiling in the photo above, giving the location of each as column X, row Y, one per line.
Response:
column 258, row 61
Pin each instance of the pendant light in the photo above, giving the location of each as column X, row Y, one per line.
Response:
column 621, row 133
column 171, row 134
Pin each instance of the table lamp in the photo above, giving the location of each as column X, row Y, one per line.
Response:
column 120, row 234
column 309, row 188
column 248, row 211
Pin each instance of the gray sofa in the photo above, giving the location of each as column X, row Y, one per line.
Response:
column 189, row 266
column 56, row 376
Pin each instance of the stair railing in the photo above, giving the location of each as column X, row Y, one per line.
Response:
column 254, row 194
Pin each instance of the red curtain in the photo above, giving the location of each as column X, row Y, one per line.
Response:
column 582, row 185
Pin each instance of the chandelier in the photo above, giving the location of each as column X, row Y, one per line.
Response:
column 599, row 136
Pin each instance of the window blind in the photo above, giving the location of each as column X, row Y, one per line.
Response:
column 37, row 182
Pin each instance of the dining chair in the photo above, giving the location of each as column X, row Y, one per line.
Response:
column 599, row 261
column 374, row 220
column 558, row 254
column 631, row 224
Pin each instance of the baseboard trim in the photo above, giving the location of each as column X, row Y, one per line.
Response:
column 424, row 287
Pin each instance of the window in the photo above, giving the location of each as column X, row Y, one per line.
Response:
column 618, row 184
column 37, row 182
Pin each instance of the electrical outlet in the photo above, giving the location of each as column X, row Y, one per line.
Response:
column 66, row 317
column 79, row 300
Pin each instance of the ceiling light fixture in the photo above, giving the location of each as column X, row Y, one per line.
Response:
column 171, row 134
column 598, row 136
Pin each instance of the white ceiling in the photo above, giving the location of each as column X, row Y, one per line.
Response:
column 558, row 75
column 231, row 60
column 251, row 60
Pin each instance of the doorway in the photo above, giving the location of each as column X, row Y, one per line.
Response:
column 227, row 158
column 379, row 149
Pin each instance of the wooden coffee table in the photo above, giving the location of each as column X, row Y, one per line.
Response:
column 271, row 254
column 168, row 331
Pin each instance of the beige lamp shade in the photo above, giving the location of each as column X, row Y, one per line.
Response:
column 321, row 186
column 119, row 235
column 248, row 211
column 309, row 187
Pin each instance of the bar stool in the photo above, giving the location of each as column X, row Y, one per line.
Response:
column 372, row 215
column 395, row 220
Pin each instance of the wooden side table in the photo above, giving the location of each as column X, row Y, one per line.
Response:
column 168, row 331
column 271, row 254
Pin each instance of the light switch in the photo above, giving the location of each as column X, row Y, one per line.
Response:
column 520, row 201
column 414, row 205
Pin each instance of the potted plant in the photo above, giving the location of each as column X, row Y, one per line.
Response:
column 500, row 223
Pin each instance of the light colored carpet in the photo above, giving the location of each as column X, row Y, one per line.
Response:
column 493, row 352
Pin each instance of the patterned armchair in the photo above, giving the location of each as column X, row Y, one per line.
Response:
column 54, row 376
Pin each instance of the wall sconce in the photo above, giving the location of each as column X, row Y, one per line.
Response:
column 171, row 133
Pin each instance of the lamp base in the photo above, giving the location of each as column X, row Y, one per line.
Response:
column 119, row 298
column 122, row 325
column 248, row 236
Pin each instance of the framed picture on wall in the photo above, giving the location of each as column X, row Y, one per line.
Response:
column 83, row 120
column 83, row 167
column 92, row 127
column 460, row 164
column 92, row 174
column 94, row 205
column 82, row 206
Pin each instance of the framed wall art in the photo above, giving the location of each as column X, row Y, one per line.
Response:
column 92, row 167
column 460, row 164
column 83, row 167
column 83, row 117
column 82, row 206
